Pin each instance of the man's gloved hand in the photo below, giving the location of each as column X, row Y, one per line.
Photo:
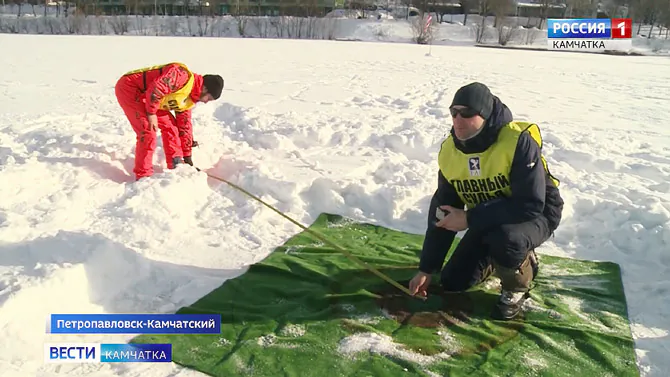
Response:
column 188, row 160
column 194, row 144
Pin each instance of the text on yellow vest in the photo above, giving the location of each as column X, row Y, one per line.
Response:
column 479, row 177
column 178, row 101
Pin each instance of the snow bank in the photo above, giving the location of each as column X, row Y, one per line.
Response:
column 452, row 30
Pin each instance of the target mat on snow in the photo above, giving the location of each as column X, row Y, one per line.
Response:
column 307, row 310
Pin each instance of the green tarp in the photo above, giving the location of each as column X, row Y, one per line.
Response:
column 307, row 310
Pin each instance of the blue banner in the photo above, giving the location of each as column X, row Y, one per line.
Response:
column 579, row 28
column 107, row 353
column 135, row 353
column 134, row 324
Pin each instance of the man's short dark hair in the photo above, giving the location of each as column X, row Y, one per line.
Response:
column 214, row 85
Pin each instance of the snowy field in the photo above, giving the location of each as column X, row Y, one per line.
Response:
column 312, row 126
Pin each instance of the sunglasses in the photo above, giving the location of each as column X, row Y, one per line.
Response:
column 465, row 112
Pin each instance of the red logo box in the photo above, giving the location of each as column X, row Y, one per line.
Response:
column 622, row 28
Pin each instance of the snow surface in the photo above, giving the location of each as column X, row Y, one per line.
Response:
column 311, row 126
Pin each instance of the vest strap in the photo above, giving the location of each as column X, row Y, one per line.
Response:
column 144, row 78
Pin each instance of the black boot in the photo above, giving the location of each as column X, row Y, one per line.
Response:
column 515, row 286
column 176, row 161
column 509, row 305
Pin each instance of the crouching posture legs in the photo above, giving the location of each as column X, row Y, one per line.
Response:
column 507, row 252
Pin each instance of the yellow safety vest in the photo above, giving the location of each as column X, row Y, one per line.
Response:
column 178, row 101
column 479, row 177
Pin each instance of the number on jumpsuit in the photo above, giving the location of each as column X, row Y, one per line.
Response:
column 172, row 104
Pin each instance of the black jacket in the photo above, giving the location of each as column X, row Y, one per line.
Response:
column 533, row 193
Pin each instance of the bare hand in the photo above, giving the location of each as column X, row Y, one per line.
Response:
column 419, row 284
column 456, row 220
column 153, row 121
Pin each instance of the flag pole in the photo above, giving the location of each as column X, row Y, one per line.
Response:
column 426, row 27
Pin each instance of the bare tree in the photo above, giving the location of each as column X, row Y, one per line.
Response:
column 131, row 6
column 32, row 6
column 580, row 8
column 546, row 7
column 215, row 7
column 439, row 7
column 484, row 11
column 466, row 5
column 262, row 26
column 614, row 8
column 664, row 18
column 19, row 7
column 240, row 11
column 501, row 9
column 646, row 12
column 311, row 8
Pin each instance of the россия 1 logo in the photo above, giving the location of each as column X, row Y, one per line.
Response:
column 590, row 34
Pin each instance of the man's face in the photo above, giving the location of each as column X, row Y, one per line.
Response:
column 205, row 96
column 466, row 121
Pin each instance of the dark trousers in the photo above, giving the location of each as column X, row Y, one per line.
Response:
column 503, row 251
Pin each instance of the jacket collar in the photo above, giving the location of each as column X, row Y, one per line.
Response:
column 197, row 87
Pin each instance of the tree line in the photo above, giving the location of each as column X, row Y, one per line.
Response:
column 655, row 13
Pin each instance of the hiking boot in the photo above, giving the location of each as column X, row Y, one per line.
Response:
column 516, row 284
column 509, row 305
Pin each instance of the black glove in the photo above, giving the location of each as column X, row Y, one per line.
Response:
column 194, row 144
column 188, row 160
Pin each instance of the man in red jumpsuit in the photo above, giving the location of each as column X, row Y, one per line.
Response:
column 149, row 95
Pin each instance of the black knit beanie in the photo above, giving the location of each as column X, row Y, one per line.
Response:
column 475, row 96
column 214, row 85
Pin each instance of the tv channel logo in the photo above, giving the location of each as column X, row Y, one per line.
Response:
column 72, row 353
column 579, row 28
column 589, row 28
column 107, row 353
column 622, row 28
column 586, row 34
